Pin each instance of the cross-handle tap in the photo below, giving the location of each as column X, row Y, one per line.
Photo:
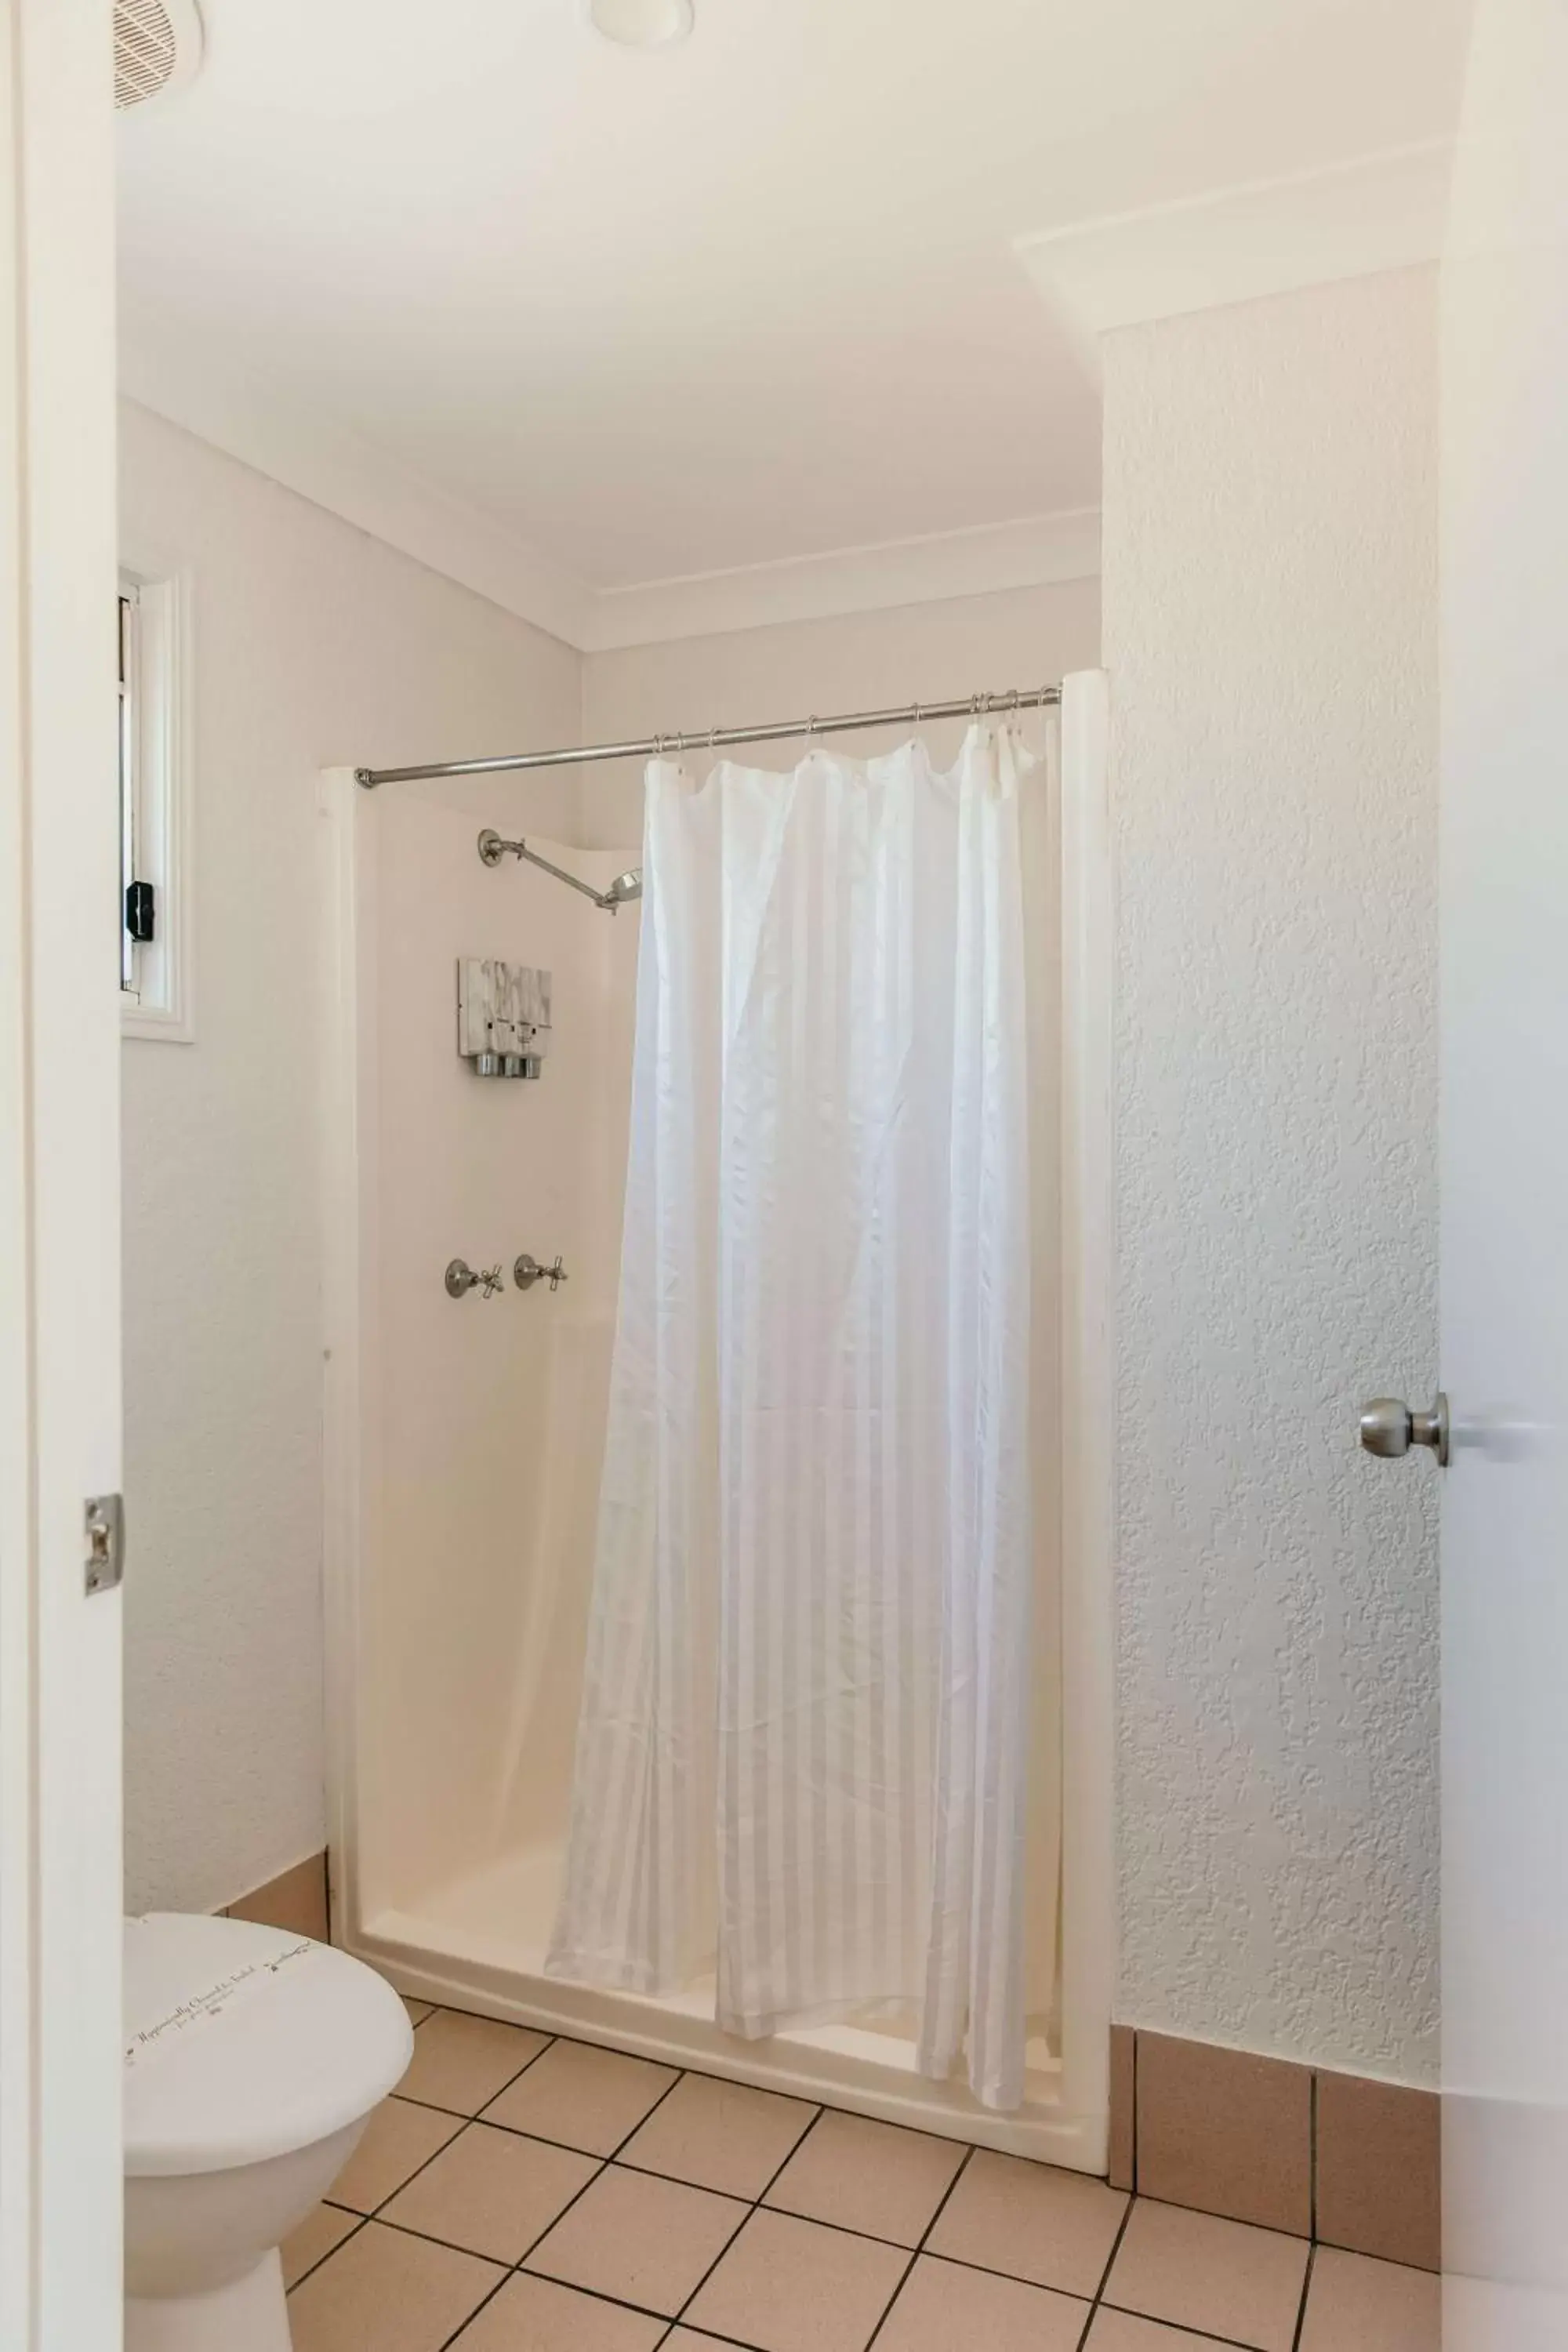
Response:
column 461, row 1278
column 528, row 1271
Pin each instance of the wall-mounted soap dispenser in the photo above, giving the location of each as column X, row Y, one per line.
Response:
column 504, row 1017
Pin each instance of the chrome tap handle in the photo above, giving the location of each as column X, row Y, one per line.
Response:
column 526, row 1271
column 461, row 1278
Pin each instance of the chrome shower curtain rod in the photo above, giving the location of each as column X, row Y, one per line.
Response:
column 714, row 739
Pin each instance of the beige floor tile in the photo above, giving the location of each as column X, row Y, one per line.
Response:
column 461, row 2061
column 688, row 2339
column 866, row 2176
column 1033, row 2220
column 418, row 2010
column 493, row 2193
column 317, row 2234
column 1376, row 2306
column 397, row 2141
column 534, row 2315
column 1118, row 2331
column 1222, row 2278
column 639, row 2238
column 941, row 2306
column 386, row 2292
column 788, row 2285
column 582, row 2096
column 719, row 2134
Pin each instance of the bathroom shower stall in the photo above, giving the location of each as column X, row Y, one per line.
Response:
column 467, row 1421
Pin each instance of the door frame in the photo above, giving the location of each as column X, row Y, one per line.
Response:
column 60, row 1867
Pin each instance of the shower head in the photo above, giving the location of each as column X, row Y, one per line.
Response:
column 620, row 893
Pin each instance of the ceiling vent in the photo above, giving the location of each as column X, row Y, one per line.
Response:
column 157, row 45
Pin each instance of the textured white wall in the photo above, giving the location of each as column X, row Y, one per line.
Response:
column 1271, row 607
column 312, row 644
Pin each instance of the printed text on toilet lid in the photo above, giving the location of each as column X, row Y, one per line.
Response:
column 219, row 1999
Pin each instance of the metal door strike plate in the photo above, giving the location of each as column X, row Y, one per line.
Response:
column 104, row 1520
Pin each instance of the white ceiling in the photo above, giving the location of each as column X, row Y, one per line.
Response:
column 744, row 301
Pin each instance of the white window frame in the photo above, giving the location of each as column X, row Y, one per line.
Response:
column 158, row 1002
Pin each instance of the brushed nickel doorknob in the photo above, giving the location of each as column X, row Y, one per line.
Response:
column 1389, row 1428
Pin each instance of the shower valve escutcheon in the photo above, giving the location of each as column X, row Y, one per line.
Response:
column 528, row 1271
column 461, row 1278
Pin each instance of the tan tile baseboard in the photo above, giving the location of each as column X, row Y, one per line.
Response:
column 1341, row 2158
column 295, row 1900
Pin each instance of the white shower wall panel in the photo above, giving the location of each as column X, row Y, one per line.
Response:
column 490, row 1409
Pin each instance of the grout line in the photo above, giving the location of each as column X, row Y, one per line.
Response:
column 1180, row 2205
column 603, row 2165
column 451, row 2141
column 534, row 2243
column 780, row 2169
column 465, row 2124
column 1181, row 2327
column 513, row 2131
column 644, row 2311
column 752, row 2205
column 731, row 2082
column 755, row 2203
column 1306, row 2291
column 505, row 2087
column 1098, row 2297
column 1122, row 2228
column 626, row 2141
column 917, row 2250
column 359, row 2220
column 468, row 2322
column 753, row 2208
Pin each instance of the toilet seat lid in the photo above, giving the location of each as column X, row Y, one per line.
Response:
column 244, row 2043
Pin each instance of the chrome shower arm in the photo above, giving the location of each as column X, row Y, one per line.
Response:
column 492, row 849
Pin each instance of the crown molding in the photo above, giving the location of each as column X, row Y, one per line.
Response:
column 336, row 469
column 1242, row 244
column 332, row 467
column 1029, row 553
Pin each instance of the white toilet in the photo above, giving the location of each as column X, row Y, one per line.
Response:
column 253, row 2061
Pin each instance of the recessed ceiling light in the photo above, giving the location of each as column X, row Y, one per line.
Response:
column 641, row 24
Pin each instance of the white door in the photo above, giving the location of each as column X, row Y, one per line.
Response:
column 1505, row 1194
column 59, row 1209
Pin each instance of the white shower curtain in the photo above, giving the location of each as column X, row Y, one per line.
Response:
column 802, row 1757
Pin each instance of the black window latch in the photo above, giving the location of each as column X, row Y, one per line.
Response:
column 141, row 910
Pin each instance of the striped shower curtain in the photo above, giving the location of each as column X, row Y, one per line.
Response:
column 802, row 1754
